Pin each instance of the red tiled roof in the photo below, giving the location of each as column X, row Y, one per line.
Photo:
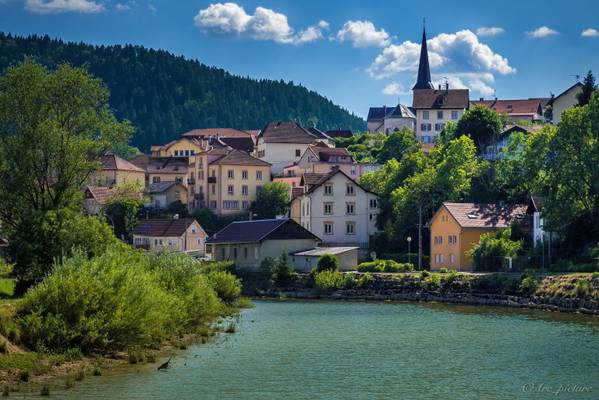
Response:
column 100, row 193
column 485, row 215
column 286, row 132
column 517, row 107
column 222, row 132
column 237, row 157
column 113, row 162
column 431, row 98
column 324, row 152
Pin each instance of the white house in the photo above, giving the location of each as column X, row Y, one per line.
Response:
column 337, row 209
column 435, row 107
column 565, row 100
column 283, row 143
column 388, row 119
column 306, row 260
column 185, row 235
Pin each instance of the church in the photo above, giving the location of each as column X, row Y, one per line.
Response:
column 431, row 107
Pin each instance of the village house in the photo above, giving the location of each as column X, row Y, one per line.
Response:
column 568, row 98
column 434, row 107
column 529, row 110
column 305, row 260
column 337, row 209
column 247, row 243
column 388, row 119
column 493, row 151
column 235, row 138
column 162, row 194
column 176, row 234
column 96, row 197
column 283, row 143
column 457, row 227
column 117, row 171
column 183, row 147
column 339, row 133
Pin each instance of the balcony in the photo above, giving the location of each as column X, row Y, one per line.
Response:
column 212, row 179
column 191, row 181
column 199, row 196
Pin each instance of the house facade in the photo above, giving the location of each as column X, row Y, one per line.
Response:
column 457, row 227
column 162, row 194
column 563, row 101
column 283, row 143
column 388, row 119
column 515, row 110
column 117, row 171
column 247, row 243
column 337, row 209
column 178, row 235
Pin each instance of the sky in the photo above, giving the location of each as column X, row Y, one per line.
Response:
column 357, row 53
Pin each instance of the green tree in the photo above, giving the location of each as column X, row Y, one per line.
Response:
column 178, row 208
column 327, row 262
column 490, row 253
column 588, row 87
column 271, row 200
column 482, row 124
column 54, row 126
column 396, row 145
column 122, row 212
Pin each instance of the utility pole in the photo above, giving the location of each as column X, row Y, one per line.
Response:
column 420, row 238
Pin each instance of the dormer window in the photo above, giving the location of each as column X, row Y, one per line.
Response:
column 471, row 216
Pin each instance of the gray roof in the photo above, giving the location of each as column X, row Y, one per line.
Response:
column 319, row 251
column 258, row 230
column 399, row 111
column 159, row 187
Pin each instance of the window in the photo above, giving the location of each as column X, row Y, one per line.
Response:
column 440, row 114
column 454, row 115
column 298, row 153
column 438, row 239
column 235, row 252
column 213, row 189
column 350, row 228
column 425, row 139
column 213, row 204
column 328, row 208
column 231, row 205
column 230, row 189
column 452, row 258
column 186, row 152
column 193, row 230
column 328, row 190
column 245, row 253
column 201, row 175
column 328, row 228
column 176, row 153
column 424, row 114
column 244, row 190
column 452, row 239
column 350, row 208
column 258, row 188
column 353, row 170
column 373, row 203
column 256, row 253
column 222, row 253
column 231, row 174
column 200, row 163
column 426, row 127
column 244, row 174
column 156, row 179
column 192, row 152
column 258, row 175
column 245, row 205
column 439, row 127
column 439, row 258
column 349, row 190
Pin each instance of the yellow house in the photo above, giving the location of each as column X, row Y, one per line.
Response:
column 183, row 147
column 457, row 227
column 176, row 234
column 117, row 171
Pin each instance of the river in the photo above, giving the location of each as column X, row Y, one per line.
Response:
column 353, row 350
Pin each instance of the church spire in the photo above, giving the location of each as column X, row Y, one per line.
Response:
column 424, row 71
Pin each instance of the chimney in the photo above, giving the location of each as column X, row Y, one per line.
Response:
column 446, row 86
column 482, row 99
column 384, row 110
column 439, row 86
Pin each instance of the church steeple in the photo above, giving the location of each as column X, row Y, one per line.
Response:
column 424, row 71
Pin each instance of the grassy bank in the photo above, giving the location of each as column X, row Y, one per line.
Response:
column 118, row 308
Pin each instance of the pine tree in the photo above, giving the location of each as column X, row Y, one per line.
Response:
column 588, row 87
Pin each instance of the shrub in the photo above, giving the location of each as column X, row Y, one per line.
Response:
column 384, row 266
column 490, row 252
column 529, row 285
column 278, row 270
column 332, row 280
column 495, row 284
column 115, row 301
column 226, row 286
column 443, row 270
column 582, row 288
column 327, row 262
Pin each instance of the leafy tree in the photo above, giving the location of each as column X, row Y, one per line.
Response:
column 278, row 270
column 178, row 208
column 482, row 124
column 396, row 145
column 363, row 147
column 271, row 200
column 54, row 126
column 125, row 151
column 210, row 222
column 490, row 252
column 123, row 212
column 588, row 87
column 327, row 262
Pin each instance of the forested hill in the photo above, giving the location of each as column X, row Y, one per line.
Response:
column 164, row 95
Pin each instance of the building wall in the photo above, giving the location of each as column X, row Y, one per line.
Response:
column 375, row 126
column 348, row 261
column 113, row 177
column 564, row 102
column 180, row 149
column 295, row 210
column 280, row 155
column 432, row 119
column 219, row 191
column 444, row 225
column 468, row 239
column 313, row 217
column 256, row 252
column 392, row 124
column 169, row 177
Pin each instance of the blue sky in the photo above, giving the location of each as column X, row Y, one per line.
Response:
column 357, row 53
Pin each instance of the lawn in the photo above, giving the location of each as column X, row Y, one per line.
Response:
column 7, row 287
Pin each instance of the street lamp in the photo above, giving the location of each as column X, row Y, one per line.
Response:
column 409, row 249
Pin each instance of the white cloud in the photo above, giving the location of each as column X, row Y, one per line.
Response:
column 489, row 31
column 393, row 89
column 590, row 32
column 476, row 82
column 363, row 34
column 541, row 32
column 454, row 51
column 62, row 6
column 230, row 19
column 125, row 6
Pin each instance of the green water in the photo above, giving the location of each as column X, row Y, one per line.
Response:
column 345, row 350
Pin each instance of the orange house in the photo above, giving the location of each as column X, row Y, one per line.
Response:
column 457, row 227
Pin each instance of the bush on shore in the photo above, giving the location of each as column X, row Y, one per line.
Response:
column 120, row 299
column 385, row 266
